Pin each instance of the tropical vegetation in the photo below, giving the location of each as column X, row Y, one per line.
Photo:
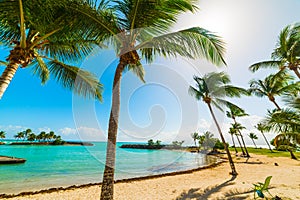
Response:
column 212, row 88
column 253, row 137
column 42, row 137
column 46, row 42
column 286, row 53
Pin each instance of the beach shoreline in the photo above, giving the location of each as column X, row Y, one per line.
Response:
column 209, row 183
column 217, row 162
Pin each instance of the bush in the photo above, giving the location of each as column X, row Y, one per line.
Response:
column 219, row 145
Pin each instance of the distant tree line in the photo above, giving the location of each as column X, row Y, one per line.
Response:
column 28, row 135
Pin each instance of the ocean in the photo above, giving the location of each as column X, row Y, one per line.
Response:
column 62, row 166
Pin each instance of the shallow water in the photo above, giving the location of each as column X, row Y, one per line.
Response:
column 56, row 166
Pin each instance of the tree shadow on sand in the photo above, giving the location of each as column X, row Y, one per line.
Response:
column 235, row 194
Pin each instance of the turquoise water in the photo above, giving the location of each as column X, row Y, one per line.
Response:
column 56, row 166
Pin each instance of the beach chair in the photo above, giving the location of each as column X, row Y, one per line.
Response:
column 259, row 188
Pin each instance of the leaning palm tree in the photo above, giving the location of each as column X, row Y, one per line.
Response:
column 261, row 128
column 233, row 132
column 287, row 52
column 212, row 88
column 274, row 85
column 233, row 113
column 253, row 137
column 45, row 41
column 195, row 137
column 238, row 127
column 141, row 30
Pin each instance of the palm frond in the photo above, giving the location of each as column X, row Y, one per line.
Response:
column 81, row 82
column 41, row 70
column 193, row 43
column 3, row 63
column 138, row 70
column 195, row 93
column 265, row 64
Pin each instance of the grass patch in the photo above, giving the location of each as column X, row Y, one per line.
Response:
column 267, row 152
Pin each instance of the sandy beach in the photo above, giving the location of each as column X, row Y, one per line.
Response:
column 212, row 183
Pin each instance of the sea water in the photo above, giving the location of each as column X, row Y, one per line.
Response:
column 62, row 166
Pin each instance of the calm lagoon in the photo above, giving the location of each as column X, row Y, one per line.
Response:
column 61, row 166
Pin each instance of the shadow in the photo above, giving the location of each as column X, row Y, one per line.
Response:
column 232, row 194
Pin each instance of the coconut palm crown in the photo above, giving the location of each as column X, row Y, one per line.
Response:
column 274, row 85
column 41, row 35
column 287, row 51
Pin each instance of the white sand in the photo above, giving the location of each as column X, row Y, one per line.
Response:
column 204, row 184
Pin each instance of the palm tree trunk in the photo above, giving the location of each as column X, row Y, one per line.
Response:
column 267, row 141
column 292, row 154
column 233, row 170
column 243, row 152
column 7, row 76
column 277, row 106
column 107, row 189
column 247, row 153
column 233, row 143
column 254, row 143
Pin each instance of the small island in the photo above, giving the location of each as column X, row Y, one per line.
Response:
column 27, row 137
column 207, row 145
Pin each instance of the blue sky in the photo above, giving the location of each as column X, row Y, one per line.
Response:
column 161, row 108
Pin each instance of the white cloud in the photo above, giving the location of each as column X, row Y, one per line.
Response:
column 67, row 131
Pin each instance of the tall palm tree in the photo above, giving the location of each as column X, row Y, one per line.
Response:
column 237, row 134
column 195, row 137
column 2, row 135
column 141, row 30
column 212, row 88
column 45, row 41
column 253, row 137
column 274, row 85
column 287, row 51
column 233, row 132
column 261, row 128
column 233, row 113
column 238, row 127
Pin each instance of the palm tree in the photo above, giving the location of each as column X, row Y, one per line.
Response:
column 45, row 41
column 237, row 134
column 261, row 128
column 42, row 136
column 51, row 135
column 286, row 53
column 235, row 111
column 233, row 132
column 209, row 141
column 19, row 135
column 253, row 137
column 31, row 137
column 141, row 30
column 27, row 132
column 211, row 89
column 2, row 135
column 238, row 127
column 195, row 137
column 274, row 85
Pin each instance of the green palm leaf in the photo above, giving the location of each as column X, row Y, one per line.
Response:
column 193, row 43
column 79, row 81
column 265, row 64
